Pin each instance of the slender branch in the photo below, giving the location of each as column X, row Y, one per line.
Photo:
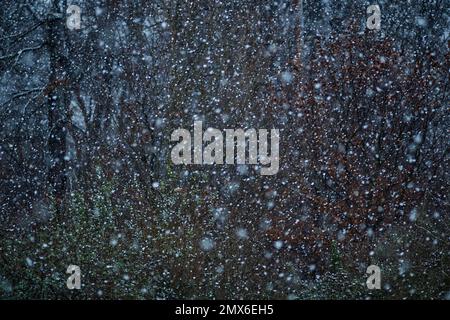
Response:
column 21, row 94
column 19, row 53
column 23, row 33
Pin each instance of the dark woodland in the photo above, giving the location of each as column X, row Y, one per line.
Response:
column 86, row 177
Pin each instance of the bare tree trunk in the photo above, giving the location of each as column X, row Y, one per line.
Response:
column 57, row 102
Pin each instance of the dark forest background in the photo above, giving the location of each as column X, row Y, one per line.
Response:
column 86, row 178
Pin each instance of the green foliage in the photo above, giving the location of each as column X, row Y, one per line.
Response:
column 132, row 251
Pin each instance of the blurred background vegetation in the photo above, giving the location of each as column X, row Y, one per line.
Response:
column 85, row 177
